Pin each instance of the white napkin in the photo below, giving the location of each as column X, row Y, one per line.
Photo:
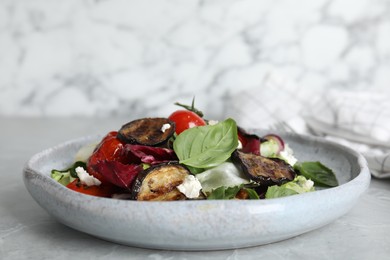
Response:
column 273, row 101
column 358, row 119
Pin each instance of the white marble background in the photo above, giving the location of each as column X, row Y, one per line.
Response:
column 137, row 57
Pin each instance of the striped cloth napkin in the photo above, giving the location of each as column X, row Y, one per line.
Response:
column 358, row 119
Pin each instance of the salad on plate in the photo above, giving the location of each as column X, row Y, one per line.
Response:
column 186, row 157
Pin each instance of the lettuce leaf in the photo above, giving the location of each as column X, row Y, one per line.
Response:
column 225, row 174
column 228, row 193
column 62, row 177
column 68, row 175
column 224, row 193
column 299, row 185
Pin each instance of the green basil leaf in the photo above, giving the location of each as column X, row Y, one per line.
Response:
column 224, row 193
column 207, row 146
column 252, row 194
column 195, row 170
column 317, row 172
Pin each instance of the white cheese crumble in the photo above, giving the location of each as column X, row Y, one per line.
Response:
column 191, row 124
column 85, row 178
column 287, row 155
column 165, row 127
column 213, row 122
column 190, row 187
column 308, row 185
column 239, row 146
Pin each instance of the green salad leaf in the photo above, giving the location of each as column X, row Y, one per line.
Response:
column 317, row 172
column 62, row 177
column 225, row 174
column 228, row 193
column 224, row 193
column 299, row 185
column 68, row 175
column 207, row 146
column 279, row 191
column 252, row 194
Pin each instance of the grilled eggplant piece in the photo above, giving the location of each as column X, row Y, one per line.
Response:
column 147, row 131
column 159, row 183
column 265, row 171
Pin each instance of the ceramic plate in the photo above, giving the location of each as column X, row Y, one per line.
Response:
column 201, row 225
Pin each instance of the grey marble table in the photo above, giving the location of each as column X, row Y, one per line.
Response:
column 28, row 232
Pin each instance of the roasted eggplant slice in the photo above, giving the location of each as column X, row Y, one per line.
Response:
column 147, row 131
column 159, row 183
column 265, row 171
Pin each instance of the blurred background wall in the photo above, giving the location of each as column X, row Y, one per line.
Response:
column 135, row 58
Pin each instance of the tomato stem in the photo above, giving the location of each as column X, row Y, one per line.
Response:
column 191, row 108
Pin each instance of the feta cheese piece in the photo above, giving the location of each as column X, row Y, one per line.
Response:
column 239, row 146
column 85, row 178
column 308, row 185
column 165, row 127
column 191, row 124
column 190, row 187
column 213, row 122
column 288, row 155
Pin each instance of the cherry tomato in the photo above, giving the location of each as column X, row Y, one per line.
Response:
column 103, row 190
column 110, row 149
column 185, row 119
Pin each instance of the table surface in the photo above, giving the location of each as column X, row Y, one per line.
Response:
column 28, row 232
